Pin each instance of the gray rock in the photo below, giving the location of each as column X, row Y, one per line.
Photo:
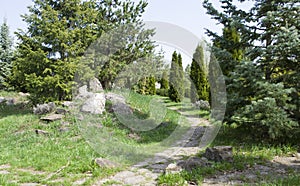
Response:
column 104, row 163
column 10, row 101
column 173, row 168
column 41, row 132
column 95, row 86
column 67, row 104
column 44, row 108
column 193, row 163
column 95, row 104
column 219, row 153
column 52, row 117
column 61, row 111
column 2, row 100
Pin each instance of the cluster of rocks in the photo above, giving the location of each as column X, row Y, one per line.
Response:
column 212, row 154
column 7, row 101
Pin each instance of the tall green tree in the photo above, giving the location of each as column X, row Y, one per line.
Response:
column 6, row 54
column 57, row 36
column 176, row 90
column 164, row 82
column 269, row 36
column 200, row 87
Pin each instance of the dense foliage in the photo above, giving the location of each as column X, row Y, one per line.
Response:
column 6, row 54
column 259, row 55
column 59, row 33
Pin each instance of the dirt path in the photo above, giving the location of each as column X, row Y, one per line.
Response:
column 146, row 172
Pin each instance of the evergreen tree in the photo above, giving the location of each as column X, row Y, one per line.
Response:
column 269, row 34
column 59, row 33
column 199, row 77
column 164, row 83
column 180, row 84
column 6, row 54
column 175, row 83
column 146, row 86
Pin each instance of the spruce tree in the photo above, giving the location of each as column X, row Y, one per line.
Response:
column 6, row 54
column 269, row 34
column 59, row 32
column 199, row 88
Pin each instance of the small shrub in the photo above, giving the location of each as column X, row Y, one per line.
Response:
column 203, row 105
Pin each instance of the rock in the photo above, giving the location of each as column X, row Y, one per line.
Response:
column 61, row 111
column 219, row 153
column 104, row 163
column 24, row 94
column 44, row 108
column 193, row 163
column 173, row 169
column 95, row 86
column 67, row 104
column 64, row 129
column 134, row 136
column 41, row 132
column 10, row 101
column 52, row 117
column 95, row 104
column 2, row 100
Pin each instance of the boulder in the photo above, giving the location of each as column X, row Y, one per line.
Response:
column 219, row 153
column 94, row 104
column 2, row 100
column 193, row 163
column 10, row 101
column 95, row 86
column 44, row 108
column 104, row 163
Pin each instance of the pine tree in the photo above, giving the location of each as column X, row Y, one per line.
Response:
column 199, row 88
column 6, row 54
column 59, row 32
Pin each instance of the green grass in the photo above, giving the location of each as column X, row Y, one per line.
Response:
column 68, row 156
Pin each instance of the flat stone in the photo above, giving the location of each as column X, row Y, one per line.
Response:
column 52, row 117
column 136, row 180
column 104, row 163
column 41, row 132
column 61, row 111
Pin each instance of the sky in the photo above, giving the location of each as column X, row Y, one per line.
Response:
column 188, row 15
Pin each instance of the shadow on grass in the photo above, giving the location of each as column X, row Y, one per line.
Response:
column 16, row 109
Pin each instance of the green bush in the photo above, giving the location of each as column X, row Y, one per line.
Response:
column 162, row 92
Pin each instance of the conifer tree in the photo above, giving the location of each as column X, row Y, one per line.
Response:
column 269, row 34
column 57, row 36
column 200, row 86
column 6, row 54
column 176, row 89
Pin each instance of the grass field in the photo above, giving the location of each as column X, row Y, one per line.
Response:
column 64, row 156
